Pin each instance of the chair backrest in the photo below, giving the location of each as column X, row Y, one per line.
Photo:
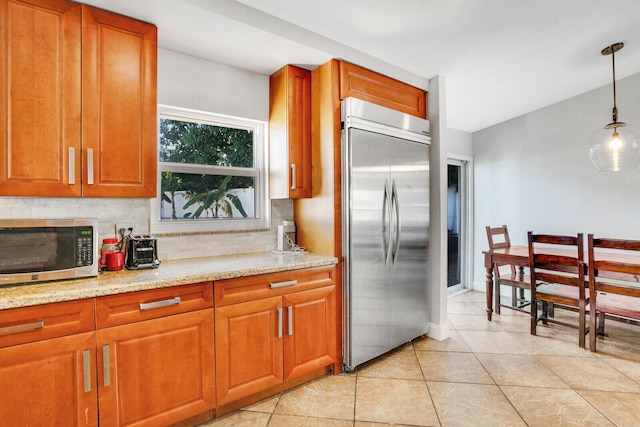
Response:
column 498, row 238
column 557, row 259
column 616, row 269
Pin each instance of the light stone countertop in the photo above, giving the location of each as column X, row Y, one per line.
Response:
column 169, row 273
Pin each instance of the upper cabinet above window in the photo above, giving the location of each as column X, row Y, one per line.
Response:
column 78, row 95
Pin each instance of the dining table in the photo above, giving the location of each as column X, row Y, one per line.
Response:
column 518, row 255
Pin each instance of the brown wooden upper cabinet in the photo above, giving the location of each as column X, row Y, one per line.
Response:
column 358, row 82
column 79, row 101
column 290, row 133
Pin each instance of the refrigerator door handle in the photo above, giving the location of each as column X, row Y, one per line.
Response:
column 396, row 221
column 386, row 224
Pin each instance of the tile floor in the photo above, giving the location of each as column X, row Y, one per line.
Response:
column 486, row 374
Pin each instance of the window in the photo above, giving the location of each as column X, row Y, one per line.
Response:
column 211, row 173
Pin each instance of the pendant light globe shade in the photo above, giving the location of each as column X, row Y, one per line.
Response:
column 616, row 147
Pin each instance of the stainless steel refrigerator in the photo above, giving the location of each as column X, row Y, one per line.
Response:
column 385, row 168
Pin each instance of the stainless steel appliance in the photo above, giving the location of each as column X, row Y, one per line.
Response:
column 35, row 250
column 385, row 228
column 141, row 252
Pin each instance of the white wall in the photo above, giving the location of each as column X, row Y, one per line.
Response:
column 188, row 82
column 533, row 173
column 459, row 143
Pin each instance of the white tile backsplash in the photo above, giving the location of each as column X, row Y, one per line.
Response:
column 110, row 212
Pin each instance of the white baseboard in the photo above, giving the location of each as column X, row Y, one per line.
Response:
column 438, row 332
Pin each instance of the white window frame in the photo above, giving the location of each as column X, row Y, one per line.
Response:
column 259, row 172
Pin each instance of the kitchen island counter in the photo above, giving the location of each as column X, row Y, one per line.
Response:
column 169, row 273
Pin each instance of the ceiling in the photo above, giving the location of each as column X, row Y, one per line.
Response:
column 500, row 58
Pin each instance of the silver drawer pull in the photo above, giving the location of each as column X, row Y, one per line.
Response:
column 86, row 370
column 290, row 317
column 159, row 304
column 25, row 327
column 279, row 310
column 283, row 284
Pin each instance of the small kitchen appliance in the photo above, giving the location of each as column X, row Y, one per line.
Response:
column 36, row 250
column 141, row 252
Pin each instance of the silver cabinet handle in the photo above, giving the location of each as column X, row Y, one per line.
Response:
column 294, row 182
column 90, row 166
column 283, row 284
column 106, row 366
column 159, row 304
column 290, row 320
column 279, row 322
column 86, row 370
column 25, row 327
column 72, row 165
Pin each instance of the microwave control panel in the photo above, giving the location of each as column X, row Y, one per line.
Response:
column 84, row 246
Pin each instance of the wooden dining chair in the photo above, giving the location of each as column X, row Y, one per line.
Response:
column 557, row 270
column 507, row 274
column 614, row 282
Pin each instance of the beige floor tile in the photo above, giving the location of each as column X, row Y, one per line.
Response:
column 513, row 323
column 465, row 307
column 472, row 405
column 368, row 424
column 473, row 322
column 329, row 397
column 553, row 407
column 520, row 369
column 552, row 345
column 452, row 367
column 278, row 420
column 492, row 342
column 582, row 373
column 240, row 419
column 267, row 405
column 394, row 401
column 401, row 364
column 453, row 343
column 615, row 348
column 630, row 368
column 623, row 409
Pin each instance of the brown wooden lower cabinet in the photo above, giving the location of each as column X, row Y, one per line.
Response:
column 264, row 342
column 149, row 358
column 49, row 383
column 156, row 364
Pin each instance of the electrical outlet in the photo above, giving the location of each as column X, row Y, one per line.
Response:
column 129, row 228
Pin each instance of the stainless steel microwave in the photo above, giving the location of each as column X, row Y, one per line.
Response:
column 36, row 250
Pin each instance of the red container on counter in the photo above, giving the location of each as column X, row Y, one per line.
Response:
column 109, row 246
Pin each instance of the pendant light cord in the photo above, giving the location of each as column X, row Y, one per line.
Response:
column 613, row 63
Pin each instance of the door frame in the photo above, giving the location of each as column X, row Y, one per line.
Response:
column 466, row 221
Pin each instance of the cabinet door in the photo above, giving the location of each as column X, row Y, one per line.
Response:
column 369, row 86
column 49, row 383
column 309, row 332
column 119, row 107
column 156, row 372
column 248, row 348
column 290, row 133
column 40, row 98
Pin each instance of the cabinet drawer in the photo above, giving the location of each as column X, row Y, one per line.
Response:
column 142, row 305
column 40, row 322
column 233, row 291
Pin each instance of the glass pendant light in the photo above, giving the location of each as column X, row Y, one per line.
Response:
column 615, row 147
